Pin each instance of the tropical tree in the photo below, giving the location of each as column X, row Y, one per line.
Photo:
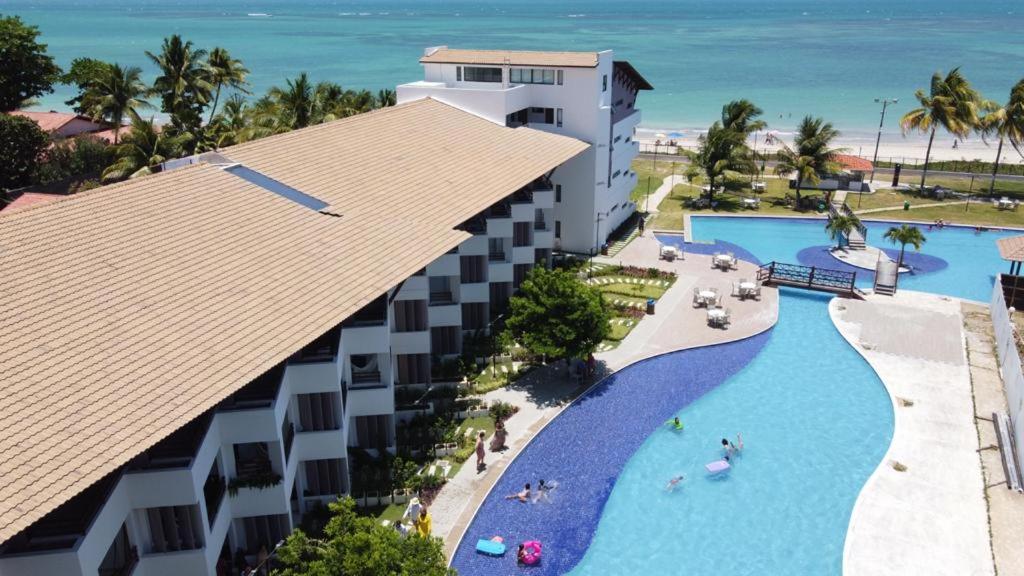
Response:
column 812, row 155
column 950, row 103
column 26, row 70
column 22, row 143
column 114, row 94
column 82, row 73
column 840, row 226
column 229, row 126
column 355, row 545
column 386, row 97
column 719, row 151
column 295, row 104
column 143, row 150
column 903, row 235
column 183, row 84
column 556, row 315
column 742, row 116
column 223, row 70
column 1007, row 123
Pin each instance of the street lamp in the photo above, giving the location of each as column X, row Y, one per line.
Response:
column 885, row 103
column 597, row 247
column 654, row 168
column 256, row 570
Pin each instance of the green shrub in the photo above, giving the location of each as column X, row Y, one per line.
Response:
column 501, row 411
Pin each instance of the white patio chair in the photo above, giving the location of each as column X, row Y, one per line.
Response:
column 757, row 291
column 736, row 290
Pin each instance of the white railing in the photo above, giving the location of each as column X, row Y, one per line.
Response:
column 1009, row 364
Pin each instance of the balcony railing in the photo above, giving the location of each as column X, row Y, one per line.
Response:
column 368, row 377
column 496, row 256
column 541, row 225
column 441, row 298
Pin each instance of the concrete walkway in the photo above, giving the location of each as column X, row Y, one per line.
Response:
column 543, row 393
column 663, row 191
column 923, row 510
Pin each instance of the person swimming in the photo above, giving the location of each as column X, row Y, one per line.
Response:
column 523, row 495
column 675, row 423
column 671, row 486
column 544, row 491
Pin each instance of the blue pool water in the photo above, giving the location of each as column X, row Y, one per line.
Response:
column 973, row 260
column 816, row 421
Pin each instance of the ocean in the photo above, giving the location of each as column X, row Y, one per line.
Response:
column 791, row 57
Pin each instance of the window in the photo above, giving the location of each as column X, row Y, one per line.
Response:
column 174, row 528
column 521, row 234
column 558, row 228
column 533, row 76
column 324, row 477
column 604, row 83
column 444, row 340
column 121, row 555
column 377, row 432
column 481, row 74
column 519, row 273
column 616, row 173
column 410, row 315
column 542, row 257
column 318, row 411
column 440, row 290
column 499, row 293
column 549, row 115
column 265, row 531
column 473, row 269
column 496, row 249
column 458, row 73
column 558, row 192
column 365, row 370
column 474, row 316
column 617, row 138
column 558, row 117
column 413, row 368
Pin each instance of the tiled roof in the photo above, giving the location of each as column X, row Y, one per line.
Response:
column 1011, row 248
column 50, row 121
column 512, row 58
column 851, row 162
column 133, row 308
column 30, row 199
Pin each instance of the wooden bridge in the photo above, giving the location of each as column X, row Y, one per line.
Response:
column 810, row 278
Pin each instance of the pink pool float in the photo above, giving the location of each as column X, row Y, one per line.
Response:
column 529, row 552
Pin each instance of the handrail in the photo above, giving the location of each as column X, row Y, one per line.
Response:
column 810, row 277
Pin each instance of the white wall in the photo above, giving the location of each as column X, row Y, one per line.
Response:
column 1009, row 364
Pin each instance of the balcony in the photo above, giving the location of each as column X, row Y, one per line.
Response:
column 441, row 298
column 260, row 393
column 367, row 379
column 496, row 256
column 176, row 450
column 373, row 314
column 124, row 566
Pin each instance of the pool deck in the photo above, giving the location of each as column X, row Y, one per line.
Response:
column 930, row 518
column 544, row 393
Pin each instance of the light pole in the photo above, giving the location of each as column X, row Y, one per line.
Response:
column 885, row 104
column 654, row 168
column 256, row 570
column 597, row 247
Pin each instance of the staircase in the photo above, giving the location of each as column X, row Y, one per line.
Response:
column 615, row 247
column 886, row 276
column 856, row 239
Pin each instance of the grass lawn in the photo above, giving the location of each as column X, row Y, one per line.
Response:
column 887, row 198
column 657, row 173
column 976, row 215
column 485, row 382
column 629, row 293
column 633, row 290
column 621, row 330
column 979, row 186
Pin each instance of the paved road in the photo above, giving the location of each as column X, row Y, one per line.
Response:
column 906, row 176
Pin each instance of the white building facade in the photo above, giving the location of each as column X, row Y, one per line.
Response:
column 585, row 95
column 240, row 477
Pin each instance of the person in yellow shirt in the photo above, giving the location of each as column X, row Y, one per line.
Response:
column 423, row 523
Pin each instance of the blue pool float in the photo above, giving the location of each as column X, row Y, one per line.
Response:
column 490, row 547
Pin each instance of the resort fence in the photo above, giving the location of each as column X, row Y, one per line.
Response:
column 1009, row 363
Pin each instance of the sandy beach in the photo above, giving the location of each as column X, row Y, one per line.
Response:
column 894, row 147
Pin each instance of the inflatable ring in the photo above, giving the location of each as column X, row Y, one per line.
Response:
column 531, row 552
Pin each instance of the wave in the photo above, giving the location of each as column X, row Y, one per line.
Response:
column 258, row 14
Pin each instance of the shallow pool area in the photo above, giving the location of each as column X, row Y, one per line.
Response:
column 972, row 257
column 815, row 421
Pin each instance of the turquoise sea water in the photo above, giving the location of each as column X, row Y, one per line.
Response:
column 790, row 56
column 815, row 421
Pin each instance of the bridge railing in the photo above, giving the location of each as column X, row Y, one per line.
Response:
column 808, row 276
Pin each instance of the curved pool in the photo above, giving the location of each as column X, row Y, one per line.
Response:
column 816, row 422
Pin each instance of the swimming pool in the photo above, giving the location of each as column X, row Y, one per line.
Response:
column 972, row 258
column 816, row 421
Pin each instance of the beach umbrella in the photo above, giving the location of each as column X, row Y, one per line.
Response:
column 675, row 134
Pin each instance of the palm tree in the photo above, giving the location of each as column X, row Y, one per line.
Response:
column 182, row 84
column 951, row 104
column 223, row 70
column 904, row 235
column 741, row 116
column 386, row 98
column 1006, row 122
column 840, row 226
column 295, row 103
column 115, row 93
column 719, row 151
column 813, row 156
column 143, row 150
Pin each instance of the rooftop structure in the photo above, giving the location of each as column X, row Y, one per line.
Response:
column 445, row 55
column 63, row 124
column 144, row 304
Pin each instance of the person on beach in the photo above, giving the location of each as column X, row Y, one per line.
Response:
column 671, row 486
column 480, row 452
column 523, row 495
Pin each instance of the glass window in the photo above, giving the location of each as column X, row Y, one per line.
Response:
column 481, row 74
column 558, row 118
column 604, row 83
column 559, row 77
column 549, row 76
column 515, row 75
column 458, row 73
column 558, row 192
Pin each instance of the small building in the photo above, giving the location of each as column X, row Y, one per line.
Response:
column 62, row 124
column 853, row 171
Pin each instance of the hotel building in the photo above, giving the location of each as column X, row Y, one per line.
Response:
column 190, row 357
